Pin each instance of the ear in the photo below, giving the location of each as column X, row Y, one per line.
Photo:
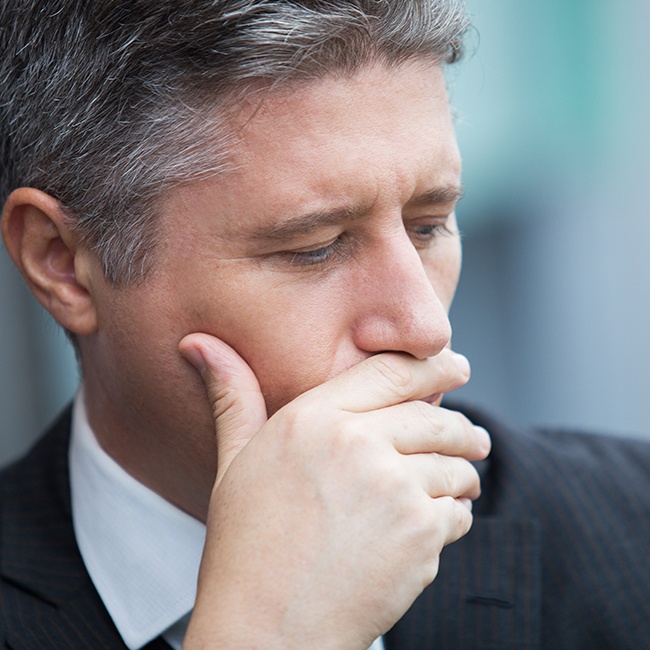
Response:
column 48, row 254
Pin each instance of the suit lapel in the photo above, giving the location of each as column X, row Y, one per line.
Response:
column 80, row 622
column 488, row 590
column 46, row 592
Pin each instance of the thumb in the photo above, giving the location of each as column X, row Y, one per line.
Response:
column 233, row 390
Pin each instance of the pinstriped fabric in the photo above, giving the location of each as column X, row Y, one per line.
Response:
column 588, row 497
column 581, row 504
column 488, row 589
column 35, row 521
column 46, row 598
column 591, row 496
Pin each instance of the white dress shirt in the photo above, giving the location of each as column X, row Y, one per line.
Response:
column 141, row 552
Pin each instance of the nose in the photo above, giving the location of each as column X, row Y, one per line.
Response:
column 398, row 309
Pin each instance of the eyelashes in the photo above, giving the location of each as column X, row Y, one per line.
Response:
column 318, row 256
column 422, row 236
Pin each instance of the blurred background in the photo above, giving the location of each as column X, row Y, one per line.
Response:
column 553, row 308
column 552, row 103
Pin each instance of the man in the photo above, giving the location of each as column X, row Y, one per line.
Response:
column 243, row 214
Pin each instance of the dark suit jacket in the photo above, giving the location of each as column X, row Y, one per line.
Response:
column 558, row 556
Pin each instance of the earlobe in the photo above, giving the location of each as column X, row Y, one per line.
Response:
column 50, row 258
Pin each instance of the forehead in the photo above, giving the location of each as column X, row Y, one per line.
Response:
column 383, row 135
column 376, row 104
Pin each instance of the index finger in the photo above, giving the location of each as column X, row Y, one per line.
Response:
column 392, row 378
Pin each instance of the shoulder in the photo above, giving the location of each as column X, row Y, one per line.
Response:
column 541, row 467
column 44, row 466
column 35, row 494
column 586, row 496
column 588, row 493
column 37, row 546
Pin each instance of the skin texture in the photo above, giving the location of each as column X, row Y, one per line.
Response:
column 309, row 287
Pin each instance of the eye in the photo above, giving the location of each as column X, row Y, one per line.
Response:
column 423, row 234
column 316, row 256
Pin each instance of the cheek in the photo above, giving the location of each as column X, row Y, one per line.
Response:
column 135, row 364
column 293, row 335
column 300, row 351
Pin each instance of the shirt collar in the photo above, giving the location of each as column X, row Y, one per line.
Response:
column 141, row 552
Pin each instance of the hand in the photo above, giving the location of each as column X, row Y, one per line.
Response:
column 327, row 520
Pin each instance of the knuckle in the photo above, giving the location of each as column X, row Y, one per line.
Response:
column 471, row 482
column 465, row 434
column 420, row 428
column 464, row 423
column 436, row 425
column 350, row 436
column 459, row 519
column 224, row 401
column 475, row 479
column 457, row 477
column 393, row 373
column 462, row 520
column 464, row 517
column 447, row 475
column 297, row 421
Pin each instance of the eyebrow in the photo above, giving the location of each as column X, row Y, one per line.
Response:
column 312, row 221
column 439, row 195
column 307, row 223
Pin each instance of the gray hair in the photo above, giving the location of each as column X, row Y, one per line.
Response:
column 108, row 104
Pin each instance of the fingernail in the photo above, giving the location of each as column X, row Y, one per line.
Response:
column 483, row 437
column 195, row 357
column 463, row 363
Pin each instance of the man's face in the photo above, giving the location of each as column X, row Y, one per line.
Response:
column 333, row 239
